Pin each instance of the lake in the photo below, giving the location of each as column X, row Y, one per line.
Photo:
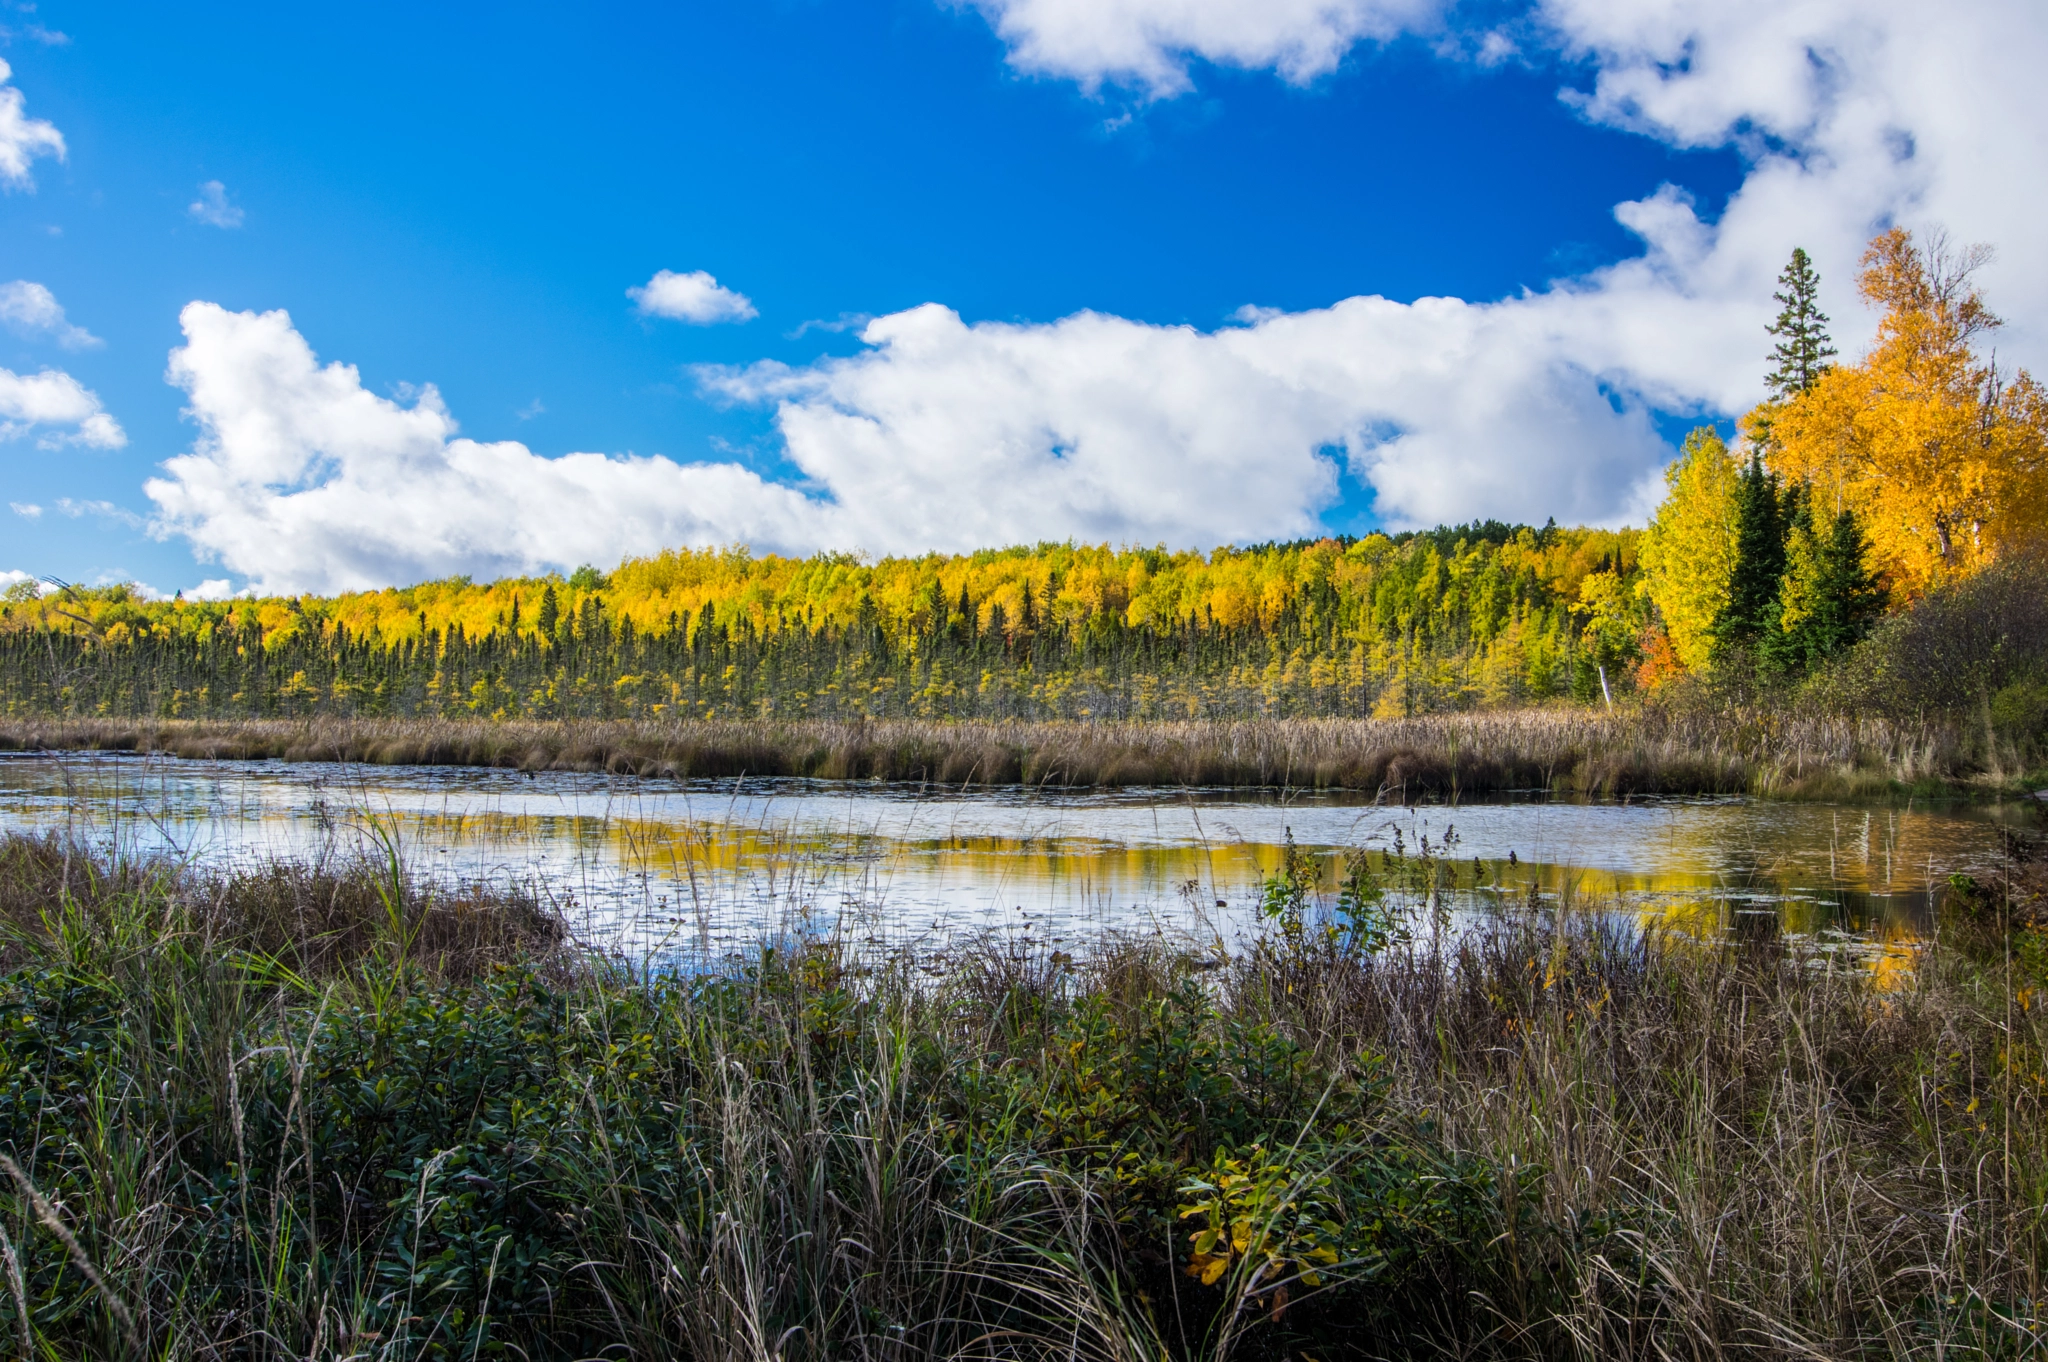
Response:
column 696, row 868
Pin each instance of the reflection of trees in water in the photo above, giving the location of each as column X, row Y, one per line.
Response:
column 1860, row 851
column 1818, row 867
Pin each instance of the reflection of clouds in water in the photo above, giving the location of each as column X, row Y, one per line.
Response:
column 711, row 864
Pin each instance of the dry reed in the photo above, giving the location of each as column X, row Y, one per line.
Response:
column 1696, row 749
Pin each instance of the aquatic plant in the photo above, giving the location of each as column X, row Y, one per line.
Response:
column 1707, row 748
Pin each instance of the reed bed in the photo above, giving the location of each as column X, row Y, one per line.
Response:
column 1556, row 1135
column 1696, row 749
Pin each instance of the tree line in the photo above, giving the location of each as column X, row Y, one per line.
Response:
column 1483, row 614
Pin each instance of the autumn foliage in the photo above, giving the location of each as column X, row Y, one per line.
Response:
column 1942, row 455
column 1445, row 620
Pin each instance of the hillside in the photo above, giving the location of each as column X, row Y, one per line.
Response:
column 1455, row 618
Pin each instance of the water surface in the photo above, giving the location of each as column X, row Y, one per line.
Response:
column 653, row 865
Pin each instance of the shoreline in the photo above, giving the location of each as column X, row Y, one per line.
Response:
column 1429, row 759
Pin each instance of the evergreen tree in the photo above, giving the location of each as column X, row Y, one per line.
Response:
column 1829, row 599
column 1802, row 353
column 1409, row 623
column 1750, row 614
column 1854, row 597
column 1782, row 650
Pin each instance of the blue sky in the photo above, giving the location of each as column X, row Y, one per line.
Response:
column 462, row 196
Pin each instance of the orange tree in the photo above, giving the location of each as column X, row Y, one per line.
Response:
column 1942, row 455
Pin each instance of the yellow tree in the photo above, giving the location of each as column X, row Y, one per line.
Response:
column 1688, row 552
column 1943, row 457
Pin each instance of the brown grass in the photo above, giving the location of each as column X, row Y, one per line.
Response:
column 1736, row 1149
column 315, row 919
column 1698, row 749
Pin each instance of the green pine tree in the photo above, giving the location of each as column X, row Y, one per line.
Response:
column 1802, row 353
column 1781, row 653
column 1749, row 617
column 1830, row 599
column 550, row 611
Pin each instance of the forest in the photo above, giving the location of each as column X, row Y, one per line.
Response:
column 1483, row 615
column 1853, row 493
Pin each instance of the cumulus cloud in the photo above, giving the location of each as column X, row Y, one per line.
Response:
column 213, row 208
column 1855, row 113
column 946, row 435
column 940, row 435
column 32, row 310
column 57, row 409
column 302, row 480
column 1147, row 44
column 22, row 138
column 694, row 297
column 15, row 577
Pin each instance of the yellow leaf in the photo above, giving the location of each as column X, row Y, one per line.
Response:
column 1688, row 553
column 1943, row 457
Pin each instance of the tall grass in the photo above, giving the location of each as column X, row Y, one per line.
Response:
column 255, row 1121
column 1698, row 748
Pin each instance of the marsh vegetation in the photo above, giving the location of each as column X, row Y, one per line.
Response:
column 332, row 1110
column 1715, row 746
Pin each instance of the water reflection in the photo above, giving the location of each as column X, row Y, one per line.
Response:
column 695, row 867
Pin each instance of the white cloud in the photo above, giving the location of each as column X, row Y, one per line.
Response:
column 1858, row 113
column 212, row 206
column 15, row 577
column 212, row 589
column 27, row 510
column 22, row 138
column 946, row 435
column 46, row 402
column 940, row 435
column 36, row 33
column 105, row 510
column 32, row 310
column 301, row 480
column 1147, row 44
column 694, row 297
